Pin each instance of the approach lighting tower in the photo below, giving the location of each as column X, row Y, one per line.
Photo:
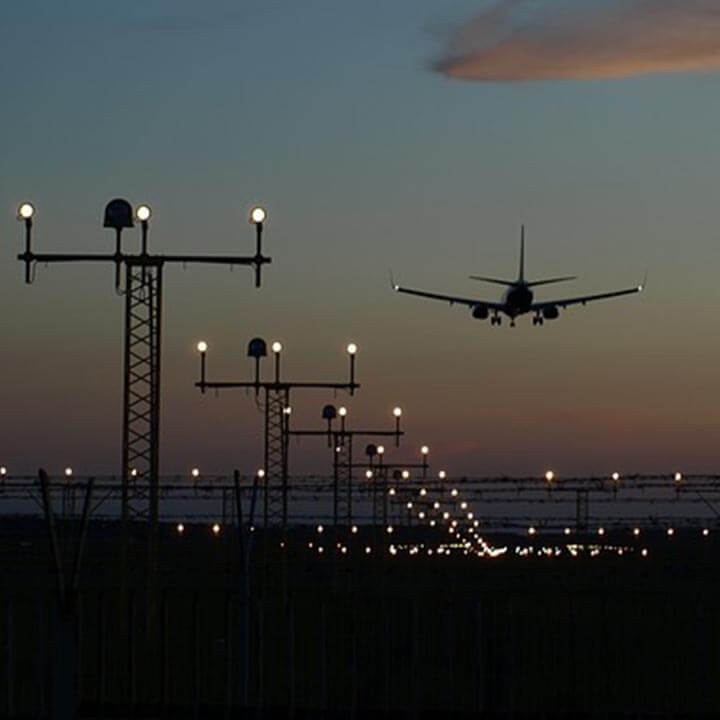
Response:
column 143, row 316
column 340, row 440
column 278, row 409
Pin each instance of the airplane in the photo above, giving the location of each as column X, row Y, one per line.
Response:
column 518, row 298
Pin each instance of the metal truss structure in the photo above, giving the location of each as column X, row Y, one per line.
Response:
column 140, row 464
column 141, row 396
column 277, row 414
column 275, row 506
column 497, row 504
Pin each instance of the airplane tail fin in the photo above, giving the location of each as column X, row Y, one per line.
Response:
column 521, row 274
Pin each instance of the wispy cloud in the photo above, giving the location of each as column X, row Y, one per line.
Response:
column 526, row 40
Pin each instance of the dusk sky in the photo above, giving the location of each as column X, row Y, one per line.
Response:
column 408, row 136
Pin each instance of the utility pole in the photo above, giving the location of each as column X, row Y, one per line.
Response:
column 143, row 338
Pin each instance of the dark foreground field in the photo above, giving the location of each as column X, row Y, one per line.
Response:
column 299, row 633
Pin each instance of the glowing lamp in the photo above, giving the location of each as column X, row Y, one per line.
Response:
column 258, row 215
column 25, row 211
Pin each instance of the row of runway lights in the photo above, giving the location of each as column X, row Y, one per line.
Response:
column 532, row 530
column 195, row 473
column 467, row 548
column 216, row 529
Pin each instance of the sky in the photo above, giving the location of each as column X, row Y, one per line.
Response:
column 403, row 136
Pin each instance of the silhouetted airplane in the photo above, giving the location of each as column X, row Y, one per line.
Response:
column 518, row 298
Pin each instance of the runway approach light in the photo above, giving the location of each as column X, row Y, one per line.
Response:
column 276, row 347
column 202, row 346
column 258, row 215
column 143, row 213
column 26, row 211
column 351, row 348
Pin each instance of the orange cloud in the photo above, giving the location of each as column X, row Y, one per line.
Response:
column 527, row 40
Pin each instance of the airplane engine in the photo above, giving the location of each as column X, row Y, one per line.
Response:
column 480, row 312
column 551, row 312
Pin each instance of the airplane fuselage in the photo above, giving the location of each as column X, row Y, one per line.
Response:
column 517, row 299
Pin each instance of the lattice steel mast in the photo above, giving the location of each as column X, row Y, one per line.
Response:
column 341, row 442
column 143, row 339
column 277, row 411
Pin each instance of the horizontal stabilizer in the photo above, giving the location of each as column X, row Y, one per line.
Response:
column 551, row 280
column 509, row 283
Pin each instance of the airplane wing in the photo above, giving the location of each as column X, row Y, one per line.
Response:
column 583, row 299
column 452, row 299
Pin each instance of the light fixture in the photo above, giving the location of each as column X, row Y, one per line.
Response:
column 26, row 211
column 258, row 215
column 276, row 347
column 351, row 348
column 143, row 213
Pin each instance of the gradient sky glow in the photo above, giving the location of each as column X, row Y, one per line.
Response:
column 367, row 159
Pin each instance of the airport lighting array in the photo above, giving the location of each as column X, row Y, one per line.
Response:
column 143, row 321
column 340, row 440
column 277, row 411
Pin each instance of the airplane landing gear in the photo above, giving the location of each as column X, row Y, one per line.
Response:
column 495, row 320
column 538, row 319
